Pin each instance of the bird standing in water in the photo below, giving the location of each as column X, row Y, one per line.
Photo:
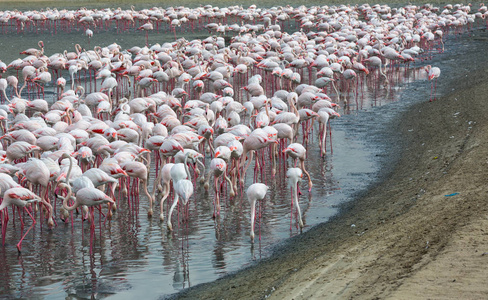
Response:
column 255, row 192
column 434, row 73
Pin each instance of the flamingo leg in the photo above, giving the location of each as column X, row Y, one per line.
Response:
column 291, row 209
column 19, row 244
column 217, row 198
column 4, row 215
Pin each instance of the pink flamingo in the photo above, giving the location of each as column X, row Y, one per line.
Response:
column 36, row 171
column 295, row 151
column 258, row 139
column 217, row 168
column 183, row 189
column 164, row 178
column 87, row 196
column 20, row 197
column 255, row 192
column 324, row 115
column 3, row 87
column 434, row 73
column 137, row 170
column 294, row 176
column 100, row 177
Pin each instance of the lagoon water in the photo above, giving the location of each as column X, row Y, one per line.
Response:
column 134, row 256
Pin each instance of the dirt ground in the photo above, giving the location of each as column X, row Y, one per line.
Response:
column 420, row 234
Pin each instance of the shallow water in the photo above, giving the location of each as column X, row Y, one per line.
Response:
column 136, row 256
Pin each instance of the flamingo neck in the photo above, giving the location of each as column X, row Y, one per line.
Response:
column 253, row 214
column 5, row 96
column 186, row 166
column 68, row 174
column 22, row 87
column 293, row 107
column 65, row 200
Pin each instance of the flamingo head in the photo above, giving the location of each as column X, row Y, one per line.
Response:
column 220, row 166
column 144, row 150
column 120, row 171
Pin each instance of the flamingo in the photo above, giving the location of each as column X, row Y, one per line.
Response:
column 295, row 151
column 13, row 82
column 376, row 62
column 138, row 170
column 36, row 171
column 294, row 176
column 258, row 139
column 73, row 69
column 44, row 78
column 20, row 197
column 184, row 189
column 34, row 51
column 20, row 149
column 290, row 118
column 324, row 115
column 255, row 192
column 108, row 85
column 89, row 34
column 177, row 172
column 218, row 168
column 87, row 196
column 434, row 73
column 28, row 73
column 3, row 87
column 163, row 180
column 69, row 171
column 254, row 89
column 99, row 177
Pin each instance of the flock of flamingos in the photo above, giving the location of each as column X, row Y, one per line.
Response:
column 191, row 112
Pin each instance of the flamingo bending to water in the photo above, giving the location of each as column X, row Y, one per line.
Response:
column 255, row 192
column 434, row 73
column 20, row 197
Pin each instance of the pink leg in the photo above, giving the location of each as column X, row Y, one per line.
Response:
column 4, row 214
column 435, row 89
column 19, row 244
column 431, row 88
column 330, row 137
column 291, row 209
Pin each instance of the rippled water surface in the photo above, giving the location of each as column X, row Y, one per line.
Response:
column 133, row 256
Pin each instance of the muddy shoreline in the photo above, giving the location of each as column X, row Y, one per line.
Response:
column 397, row 228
